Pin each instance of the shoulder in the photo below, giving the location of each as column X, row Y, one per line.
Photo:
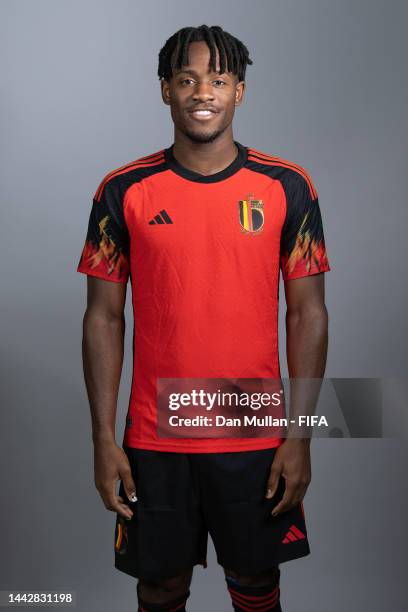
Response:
column 119, row 179
column 291, row 174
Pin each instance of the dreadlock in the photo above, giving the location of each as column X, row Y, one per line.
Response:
column 233, row 54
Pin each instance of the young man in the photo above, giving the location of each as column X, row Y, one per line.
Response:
column 202, row 228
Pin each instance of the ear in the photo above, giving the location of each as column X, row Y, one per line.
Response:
column 239, row 93
column 165, row 91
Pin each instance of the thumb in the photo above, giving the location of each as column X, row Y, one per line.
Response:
column 273, row 481
column 129, row 486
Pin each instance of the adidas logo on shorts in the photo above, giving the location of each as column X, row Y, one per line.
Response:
column 294, row 534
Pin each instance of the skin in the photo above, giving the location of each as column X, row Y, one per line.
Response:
column 205, row 147
column 306, row 348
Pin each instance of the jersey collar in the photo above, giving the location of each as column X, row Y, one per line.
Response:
column 234, row 166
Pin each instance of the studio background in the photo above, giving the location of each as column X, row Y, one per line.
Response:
column 80, row 96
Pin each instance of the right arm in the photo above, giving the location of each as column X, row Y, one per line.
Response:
column 102, row 352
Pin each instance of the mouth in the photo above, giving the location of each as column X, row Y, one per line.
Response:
column 202, row 115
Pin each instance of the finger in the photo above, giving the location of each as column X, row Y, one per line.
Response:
column 124, row 511
column 300, row 489
column 300, row 496
column 122, row 500
column 114, row 504
column 129, row 485
column 294, row 494
column 287, row 500
column 273, row 481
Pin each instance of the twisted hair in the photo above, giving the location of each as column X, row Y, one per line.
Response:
column 233, row 54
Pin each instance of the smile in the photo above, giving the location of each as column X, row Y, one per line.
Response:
column 202, row 114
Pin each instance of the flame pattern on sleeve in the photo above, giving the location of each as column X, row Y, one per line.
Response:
column 106, row 250
column 303, row 249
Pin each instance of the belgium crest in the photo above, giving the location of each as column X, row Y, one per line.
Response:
column 251, row 214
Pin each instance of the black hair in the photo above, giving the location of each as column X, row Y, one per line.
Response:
column 233, row 54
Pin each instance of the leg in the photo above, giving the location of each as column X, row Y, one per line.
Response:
column 260, row 579
column 167, row 535
column 164, row 594
column 246, row 537
column 254, row 592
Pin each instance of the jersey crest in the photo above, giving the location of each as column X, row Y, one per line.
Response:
column 251, row 215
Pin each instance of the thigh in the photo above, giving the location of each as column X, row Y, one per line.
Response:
column 247, row 538
column 166, row 535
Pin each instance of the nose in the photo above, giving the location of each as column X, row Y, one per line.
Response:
column 203, row 91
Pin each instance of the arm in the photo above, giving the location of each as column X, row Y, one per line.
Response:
column 306, row 341
column 102, row 351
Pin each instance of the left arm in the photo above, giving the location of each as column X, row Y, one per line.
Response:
column 306, row 343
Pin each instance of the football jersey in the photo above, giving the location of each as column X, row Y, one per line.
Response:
column 203, row 255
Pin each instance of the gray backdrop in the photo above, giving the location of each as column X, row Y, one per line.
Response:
column 80, row 97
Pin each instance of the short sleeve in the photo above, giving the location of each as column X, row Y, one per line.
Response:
column 105, row 253
column 302, row 246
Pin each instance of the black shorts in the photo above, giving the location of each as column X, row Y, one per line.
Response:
column 184, row 496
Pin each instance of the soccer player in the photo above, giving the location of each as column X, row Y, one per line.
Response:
column 202, row 229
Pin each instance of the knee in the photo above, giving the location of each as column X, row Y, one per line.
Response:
column 165, row 588
column 270, row 576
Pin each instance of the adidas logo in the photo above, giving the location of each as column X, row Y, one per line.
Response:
column 293, row 535
column 161, row 218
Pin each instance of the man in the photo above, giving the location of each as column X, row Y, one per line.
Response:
column 202, row 228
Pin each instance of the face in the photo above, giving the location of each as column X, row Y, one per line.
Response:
column 196, row 88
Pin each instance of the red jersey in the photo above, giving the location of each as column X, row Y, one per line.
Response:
column 203, row 254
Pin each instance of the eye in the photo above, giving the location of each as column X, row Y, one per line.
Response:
column 185, row 81
column 220, row 81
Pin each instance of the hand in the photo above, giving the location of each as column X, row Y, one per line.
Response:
column 292, row 461
column 110, row 465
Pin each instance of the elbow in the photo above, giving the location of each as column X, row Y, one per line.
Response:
column 313, row 316
column 102, row 318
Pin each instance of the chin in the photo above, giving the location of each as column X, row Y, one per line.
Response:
column 201, row 136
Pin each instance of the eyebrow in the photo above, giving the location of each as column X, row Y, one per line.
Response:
column 194, row 73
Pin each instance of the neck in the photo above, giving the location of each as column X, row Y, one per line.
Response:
column 205, row 157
